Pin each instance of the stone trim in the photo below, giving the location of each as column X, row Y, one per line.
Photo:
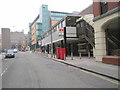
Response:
column 107, row 13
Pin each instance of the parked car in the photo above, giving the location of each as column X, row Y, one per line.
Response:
column 10, row 53
column 15, row 50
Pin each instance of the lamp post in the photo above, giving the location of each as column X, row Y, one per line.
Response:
column 39, row 43
column 51, row 34
column 51, row 44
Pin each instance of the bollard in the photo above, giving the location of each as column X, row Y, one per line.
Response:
column 71, row 52
column 64, row 57
column 80, row 55
column 71, row 56
column 89, row 55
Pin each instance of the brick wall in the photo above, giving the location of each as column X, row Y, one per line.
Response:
column 5, row 38
column 97, row 9
column 112, row 5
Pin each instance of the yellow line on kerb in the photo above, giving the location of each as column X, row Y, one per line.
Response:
column 96, row 75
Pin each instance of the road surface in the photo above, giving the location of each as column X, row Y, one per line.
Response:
column 30, row 70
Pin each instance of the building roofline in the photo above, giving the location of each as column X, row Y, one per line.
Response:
column 65, row 18
column 5, row 28
column 107, row 13
column 60, row 12
column 60, row 21
column 34, row 20
column 85, row 8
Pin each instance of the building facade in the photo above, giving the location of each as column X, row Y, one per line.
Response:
column 107, row 30
column 0, row 43
column 57, row 16
column 34, row 37
column 44, row 17
column 17, row 39
column 62, row 34
column 42, row 23
column 5, row 38
column 85, row 33
column 35, row 32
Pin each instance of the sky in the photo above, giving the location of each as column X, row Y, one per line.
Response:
column 17, row 14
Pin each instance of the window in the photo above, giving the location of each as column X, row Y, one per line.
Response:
column 62, row 24
column 104, row 7
column 39, row 29
column 58, row 26
column 78, row 25
column 55, row 28
column 38, row 35
column 56, row 18
column 82, row 24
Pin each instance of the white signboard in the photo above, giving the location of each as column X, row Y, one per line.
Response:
column 39, row 42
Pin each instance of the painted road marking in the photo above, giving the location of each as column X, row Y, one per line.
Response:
column 4, row 71
column 96, row 75
column 99, row 76
column 7, row 67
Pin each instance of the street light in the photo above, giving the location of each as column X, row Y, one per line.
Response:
column 51, row 45
column 51, row 35
column 39, row 43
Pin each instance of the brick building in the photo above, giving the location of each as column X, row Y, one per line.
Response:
column 106, row 18
column 18, row 39
column 5, row 38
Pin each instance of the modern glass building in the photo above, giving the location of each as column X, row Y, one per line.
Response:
column 44, row 18
column 57, row 16
column 49, row 18
column 43, row 22
column 38, row 31
column 35, row 33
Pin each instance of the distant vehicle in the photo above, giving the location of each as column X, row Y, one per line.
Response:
column 15, row 50
column 23, row 50
column 10, row 53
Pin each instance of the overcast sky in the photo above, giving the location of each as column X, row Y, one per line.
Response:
column 16, row 14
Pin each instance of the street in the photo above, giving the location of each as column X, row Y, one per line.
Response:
column 30, row 70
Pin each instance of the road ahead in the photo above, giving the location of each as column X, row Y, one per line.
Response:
column 29, row 70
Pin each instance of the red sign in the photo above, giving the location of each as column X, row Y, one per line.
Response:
column 61, row 30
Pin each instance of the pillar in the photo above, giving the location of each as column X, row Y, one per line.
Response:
column 100, row 43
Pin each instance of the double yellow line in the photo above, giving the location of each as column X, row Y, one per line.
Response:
column 99, row 76
column 96, row 75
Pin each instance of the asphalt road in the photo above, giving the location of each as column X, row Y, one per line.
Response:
column 30, row 70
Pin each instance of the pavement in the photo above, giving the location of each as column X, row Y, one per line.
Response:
column 89, row 64
column 0, row 71
column 2, row 56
